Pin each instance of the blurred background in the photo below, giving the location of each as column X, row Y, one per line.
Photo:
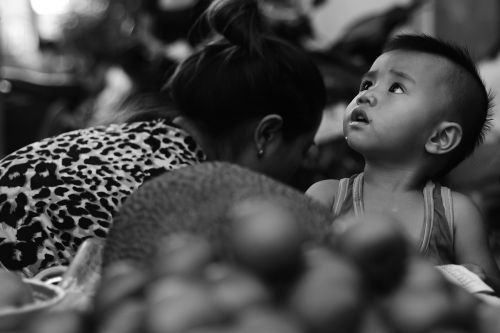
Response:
column 69, row 64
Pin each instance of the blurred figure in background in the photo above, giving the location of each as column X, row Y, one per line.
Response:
column 133, row 68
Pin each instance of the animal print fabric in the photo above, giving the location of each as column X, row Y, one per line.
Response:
column 57, row 192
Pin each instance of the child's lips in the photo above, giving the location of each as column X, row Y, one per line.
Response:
column 359, row 116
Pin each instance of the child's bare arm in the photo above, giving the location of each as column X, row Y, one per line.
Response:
column 324, row 191
column 471, row 240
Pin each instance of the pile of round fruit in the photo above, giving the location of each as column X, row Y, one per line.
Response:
column 365, row 279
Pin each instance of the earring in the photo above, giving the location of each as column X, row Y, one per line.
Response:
column 260, row 153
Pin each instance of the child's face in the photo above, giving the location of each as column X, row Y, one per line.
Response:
column 402, row 98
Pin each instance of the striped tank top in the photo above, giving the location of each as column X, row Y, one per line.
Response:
column 436, row 236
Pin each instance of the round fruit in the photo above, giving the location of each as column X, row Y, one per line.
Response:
column 184, row 254
column 380, row 249
column 267, row 239
column 329, row 296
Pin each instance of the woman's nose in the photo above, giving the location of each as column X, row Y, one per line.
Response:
column 366, row 97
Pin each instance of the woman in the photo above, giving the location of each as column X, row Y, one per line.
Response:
column 245, row 97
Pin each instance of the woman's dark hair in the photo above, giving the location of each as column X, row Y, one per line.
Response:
column 245, row 73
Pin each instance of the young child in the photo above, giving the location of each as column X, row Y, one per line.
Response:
column 421, row 109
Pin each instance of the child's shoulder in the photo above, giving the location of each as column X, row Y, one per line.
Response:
column 324, row 191
column 461, row 203
column 464, row 206
column 465, row 212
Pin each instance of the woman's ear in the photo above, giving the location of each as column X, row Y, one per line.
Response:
column 445, row 137
column 267, row 130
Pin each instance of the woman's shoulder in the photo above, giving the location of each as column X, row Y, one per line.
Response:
column 157, row 127
column 118, row 136
column 139, row 145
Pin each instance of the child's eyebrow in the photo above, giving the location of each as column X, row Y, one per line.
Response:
column 372, row 74
column 402, row 75
column 369, row 74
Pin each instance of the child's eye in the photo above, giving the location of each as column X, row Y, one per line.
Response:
column 365, row 84
column 396, row 88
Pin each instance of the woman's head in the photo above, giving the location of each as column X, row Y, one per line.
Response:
column 248, row 94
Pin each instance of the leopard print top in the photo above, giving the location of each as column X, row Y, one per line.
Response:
column 57, row 192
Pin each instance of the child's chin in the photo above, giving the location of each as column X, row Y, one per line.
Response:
column 356, row 143
column 353, row 139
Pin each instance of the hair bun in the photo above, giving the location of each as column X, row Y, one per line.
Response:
column 238, row 21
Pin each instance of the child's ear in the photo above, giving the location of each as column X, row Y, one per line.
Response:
column 266, row 131
column 445, row 137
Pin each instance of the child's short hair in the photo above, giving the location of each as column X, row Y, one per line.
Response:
column 473, row 105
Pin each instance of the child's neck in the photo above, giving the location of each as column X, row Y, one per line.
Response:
column 394, row 179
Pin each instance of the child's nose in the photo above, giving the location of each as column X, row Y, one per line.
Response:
column 366, row 97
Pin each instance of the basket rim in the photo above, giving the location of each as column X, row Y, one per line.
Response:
column 39, row 305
